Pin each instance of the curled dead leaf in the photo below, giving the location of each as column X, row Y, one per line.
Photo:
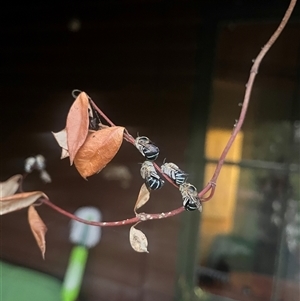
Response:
column 138, row 240
column 61, row 138
column 77, row 124
column 10, row 186
column 38, row 229
column 98, row 150
column 143, row 197
column 18, row 201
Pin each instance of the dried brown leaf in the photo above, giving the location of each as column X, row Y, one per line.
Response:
column 138, row 240
column 38, row 229
column 143, row 197
column 10, row 186
column 18, row 201
column 77, row 124
column 98, row 150
column 61, row 138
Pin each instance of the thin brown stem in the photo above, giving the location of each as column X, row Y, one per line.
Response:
column 211, row 193
column 138, row 218
column 210, row 187
column 249, row 85
column 101, row 113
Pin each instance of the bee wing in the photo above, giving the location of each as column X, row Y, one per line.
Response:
column 154, row 174
column 145, row 172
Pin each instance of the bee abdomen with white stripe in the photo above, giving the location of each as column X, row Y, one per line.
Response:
column 172, row 170
column 151, row 177
column 146, row 148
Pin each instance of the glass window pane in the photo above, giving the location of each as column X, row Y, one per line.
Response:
column 250, row 230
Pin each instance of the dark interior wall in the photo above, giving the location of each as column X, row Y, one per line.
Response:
column 138, row 66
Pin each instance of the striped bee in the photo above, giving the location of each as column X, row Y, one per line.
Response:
column 151, row 177
column 190, row 197
column 147, row 148
column 177, row 175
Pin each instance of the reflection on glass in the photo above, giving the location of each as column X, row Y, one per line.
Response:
column 250, row 230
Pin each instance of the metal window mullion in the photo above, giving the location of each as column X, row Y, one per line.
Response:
column 257, row 164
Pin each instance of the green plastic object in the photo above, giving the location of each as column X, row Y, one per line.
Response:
column 73, row 279
column 22, row 284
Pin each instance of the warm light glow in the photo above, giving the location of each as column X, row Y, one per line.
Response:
column 217, row 216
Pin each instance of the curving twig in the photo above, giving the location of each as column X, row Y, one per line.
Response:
column 210, row 187
column 249, row 86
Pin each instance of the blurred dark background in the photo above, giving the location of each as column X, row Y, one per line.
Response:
column 170, row 70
